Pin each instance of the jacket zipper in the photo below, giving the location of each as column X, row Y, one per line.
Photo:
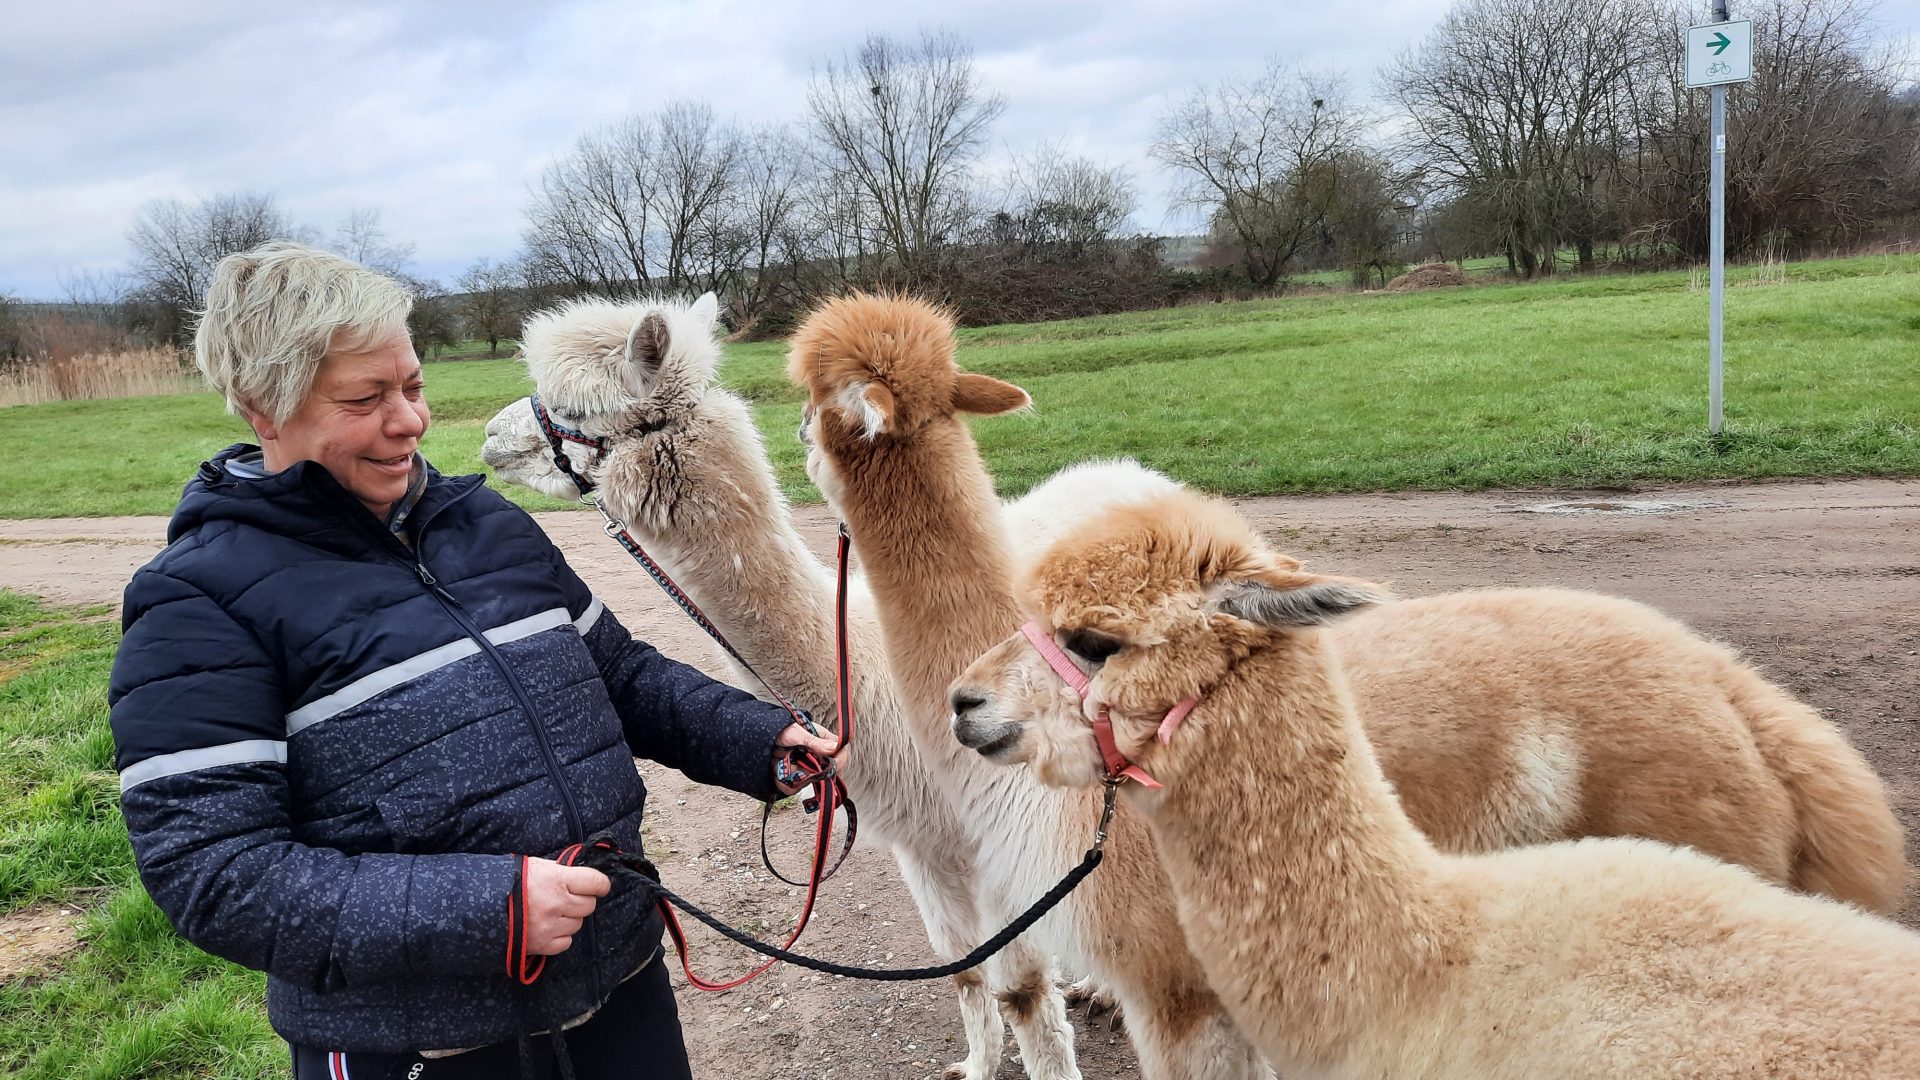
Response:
column 457, row 612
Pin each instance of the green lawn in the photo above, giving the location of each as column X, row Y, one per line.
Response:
column 1574, row 381
column 135, row 1002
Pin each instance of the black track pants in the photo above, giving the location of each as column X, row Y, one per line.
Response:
column 635, row 1036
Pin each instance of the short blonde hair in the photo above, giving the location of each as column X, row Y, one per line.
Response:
column 274, row 313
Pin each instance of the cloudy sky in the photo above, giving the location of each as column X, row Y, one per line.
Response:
column 441, row 115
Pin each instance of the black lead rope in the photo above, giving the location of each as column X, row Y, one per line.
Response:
column 806, row 767
column 802, row 767
column 604, row 855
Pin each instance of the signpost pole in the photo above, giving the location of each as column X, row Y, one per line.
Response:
column 1717, row 240
column 1717, row 259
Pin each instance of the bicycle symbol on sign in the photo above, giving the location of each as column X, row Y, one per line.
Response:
column 1719, row 67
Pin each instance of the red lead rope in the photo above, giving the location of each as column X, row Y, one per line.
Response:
column 828, row 797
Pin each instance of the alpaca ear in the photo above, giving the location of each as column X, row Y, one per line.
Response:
column 1286, row 597
column 706, row 309
column 874, row 407
column 984, row 395
column 646, row 349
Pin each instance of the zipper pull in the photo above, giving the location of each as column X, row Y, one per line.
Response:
column 431, row 582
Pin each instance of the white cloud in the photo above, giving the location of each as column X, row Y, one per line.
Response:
column 442, row 114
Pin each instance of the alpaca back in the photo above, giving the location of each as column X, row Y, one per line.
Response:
column 1628, row 958
column 1509, row 717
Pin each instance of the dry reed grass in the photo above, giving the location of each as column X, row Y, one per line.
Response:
column 121, row 373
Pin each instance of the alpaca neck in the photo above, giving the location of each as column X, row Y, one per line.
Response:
column 1305, row 892
column 714, row 519
column 927, row 526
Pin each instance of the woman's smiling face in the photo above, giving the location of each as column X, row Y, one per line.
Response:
column 362, row 421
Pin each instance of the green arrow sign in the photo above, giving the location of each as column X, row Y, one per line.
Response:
column 1718, row 43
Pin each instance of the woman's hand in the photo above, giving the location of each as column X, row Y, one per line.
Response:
column 823, row 746
column 559, row 898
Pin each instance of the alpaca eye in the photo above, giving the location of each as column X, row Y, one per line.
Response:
column 1091, row 645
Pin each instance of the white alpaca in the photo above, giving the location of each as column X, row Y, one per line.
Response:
column 1340, row 939
column 698, row 493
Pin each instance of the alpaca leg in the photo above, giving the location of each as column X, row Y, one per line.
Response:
column 945, row 898
column 1023, row 979
column 1099, row 1001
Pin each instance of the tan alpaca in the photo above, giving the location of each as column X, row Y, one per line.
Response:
column 699, row 494
column 1341, row 940
column 889, row 448
column 892, row 455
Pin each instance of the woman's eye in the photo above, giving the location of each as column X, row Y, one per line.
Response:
column 1091, row 645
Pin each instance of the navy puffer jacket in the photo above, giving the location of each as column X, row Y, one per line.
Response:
column 331, row 749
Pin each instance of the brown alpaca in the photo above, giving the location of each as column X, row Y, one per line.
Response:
column 892, row 454
column 1340, row 939
column 889, row 448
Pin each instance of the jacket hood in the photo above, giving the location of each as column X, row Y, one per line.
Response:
column 304, row 499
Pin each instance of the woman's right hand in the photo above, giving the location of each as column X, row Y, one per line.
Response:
column 559, row 898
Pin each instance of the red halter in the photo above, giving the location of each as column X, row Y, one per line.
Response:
column 1117, row 764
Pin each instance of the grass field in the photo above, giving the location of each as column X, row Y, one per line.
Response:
column 136, row 1002
column 1598, row 380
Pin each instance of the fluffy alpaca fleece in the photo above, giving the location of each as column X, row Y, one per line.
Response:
column 910, row 483
column 700, row 495
column 889, row 447
column 1342, row 941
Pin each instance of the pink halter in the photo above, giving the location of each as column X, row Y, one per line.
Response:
column 1117, row 763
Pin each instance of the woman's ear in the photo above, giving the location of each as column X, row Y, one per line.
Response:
column 263, row 426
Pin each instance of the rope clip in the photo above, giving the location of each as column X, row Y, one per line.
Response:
column 1106, row 812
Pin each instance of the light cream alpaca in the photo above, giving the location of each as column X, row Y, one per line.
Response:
column 1341, row 940
column 700, row 496
column 892, row 454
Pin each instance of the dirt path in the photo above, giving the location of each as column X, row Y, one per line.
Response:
column 1819, row 583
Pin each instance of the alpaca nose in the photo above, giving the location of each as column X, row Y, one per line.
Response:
column 965, row 701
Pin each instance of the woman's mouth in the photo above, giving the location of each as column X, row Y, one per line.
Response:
column 397, row 466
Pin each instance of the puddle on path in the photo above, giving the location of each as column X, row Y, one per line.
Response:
column 1620, row 506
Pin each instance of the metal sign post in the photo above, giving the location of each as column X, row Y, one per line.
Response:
column 1718, row 53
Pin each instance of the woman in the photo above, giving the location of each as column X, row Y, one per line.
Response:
column 358, row 704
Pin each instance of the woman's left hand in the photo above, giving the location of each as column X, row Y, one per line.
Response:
column 824, row 745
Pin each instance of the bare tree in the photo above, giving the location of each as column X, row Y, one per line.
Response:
column 1370, row 218
column 361, row 237
column 433, row 323
column 652, row 202
column 13, row 336
column 902, row 124
column 489, row 302
column 175, row 246
column 777, row 239
column 1054, row 198
column 1259, row 156
column 1528, row 132
column 587, row 228
column 1821, row 150
column 697, row 164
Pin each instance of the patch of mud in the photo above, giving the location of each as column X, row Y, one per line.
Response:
column 34, row 940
